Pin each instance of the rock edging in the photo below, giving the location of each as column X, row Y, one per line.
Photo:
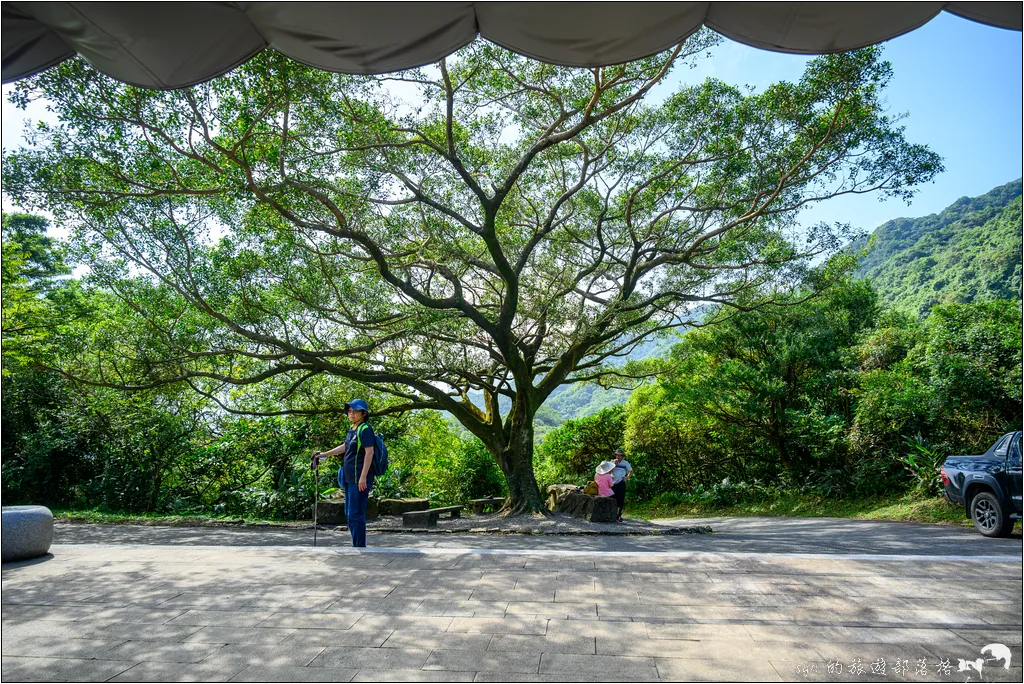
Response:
column 570, row 533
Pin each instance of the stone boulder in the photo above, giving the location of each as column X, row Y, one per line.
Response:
column 331, row 512
column 27, row 532
column 400, row 506
column 598, row 509
column 557, row 492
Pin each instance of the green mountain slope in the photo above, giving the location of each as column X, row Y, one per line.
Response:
column 970, row 251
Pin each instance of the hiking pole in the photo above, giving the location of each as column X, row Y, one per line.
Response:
column 316, row 490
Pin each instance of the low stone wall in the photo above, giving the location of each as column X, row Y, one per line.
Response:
column 557, row 492
column 332, row 511
column 591, row 508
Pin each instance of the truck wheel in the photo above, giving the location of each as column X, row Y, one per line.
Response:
column 989, row 517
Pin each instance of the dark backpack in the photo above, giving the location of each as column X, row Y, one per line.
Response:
column 379, row 464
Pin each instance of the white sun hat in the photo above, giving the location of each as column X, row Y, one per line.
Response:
column 605, row 467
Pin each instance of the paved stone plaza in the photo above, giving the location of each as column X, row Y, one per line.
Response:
column 561, row 612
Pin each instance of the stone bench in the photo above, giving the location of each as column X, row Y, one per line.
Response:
column 494, row 503
column 428, row 518
column 402, row 506
column 557, row 492
column 592, row 508
column 27, row 532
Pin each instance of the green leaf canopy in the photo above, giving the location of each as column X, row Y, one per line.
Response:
column 506, row 226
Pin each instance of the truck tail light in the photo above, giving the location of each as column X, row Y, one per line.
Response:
column 944, row 476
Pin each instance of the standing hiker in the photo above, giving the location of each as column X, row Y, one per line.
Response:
column 620, row 473
column 355, row 476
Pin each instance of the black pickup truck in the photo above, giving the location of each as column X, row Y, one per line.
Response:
column 987, row 486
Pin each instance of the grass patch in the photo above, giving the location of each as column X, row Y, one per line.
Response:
column 907, row 507
column 96, row 517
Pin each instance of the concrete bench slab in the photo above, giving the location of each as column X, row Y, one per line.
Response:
column 479, row 505
column 429, row 517
column 402, row 506
column 27, row 532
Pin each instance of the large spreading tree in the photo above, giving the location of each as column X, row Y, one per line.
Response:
column 489, row 226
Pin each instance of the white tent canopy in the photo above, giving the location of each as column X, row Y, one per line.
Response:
column 177, row 44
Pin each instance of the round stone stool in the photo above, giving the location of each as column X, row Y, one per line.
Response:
column 27, row 532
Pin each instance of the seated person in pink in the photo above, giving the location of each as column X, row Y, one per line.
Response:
column 603, row 478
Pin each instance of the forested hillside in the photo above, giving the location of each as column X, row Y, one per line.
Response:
column 969, row 252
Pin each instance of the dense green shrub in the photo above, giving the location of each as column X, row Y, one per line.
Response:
column 922, row 461
column 443, row 465
column 570, row 454
column 809, row 400
column 394, row 484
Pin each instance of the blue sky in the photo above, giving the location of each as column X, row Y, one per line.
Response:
column 959, row 82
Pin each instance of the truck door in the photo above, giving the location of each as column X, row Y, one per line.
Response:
column 1013, row 471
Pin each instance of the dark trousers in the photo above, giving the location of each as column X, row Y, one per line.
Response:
column 619, row 492
column 355, row 511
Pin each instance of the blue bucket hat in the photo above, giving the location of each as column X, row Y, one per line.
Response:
column 358, row 405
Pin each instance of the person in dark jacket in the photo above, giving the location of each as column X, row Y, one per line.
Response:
column 620, row 473
column 355, row 476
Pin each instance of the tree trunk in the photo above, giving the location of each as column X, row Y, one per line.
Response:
column 516, row 463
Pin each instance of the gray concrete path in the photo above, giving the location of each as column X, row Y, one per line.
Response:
column 745, row 535
column 165, row 604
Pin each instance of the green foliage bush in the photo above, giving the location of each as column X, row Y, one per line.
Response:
column 442, row 465
column 291, row 499
column 393, row 484
column 923, row 461
column 570, row 454
column 720, row 494
column 819, row 399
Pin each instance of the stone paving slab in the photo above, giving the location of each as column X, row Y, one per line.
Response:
column 437, row 640
column 475, row 661
column 294, row 655
column 268, row 614
column 412, row 676
column 178, row 672
column 68, row 670
column 550, row 643
column 68, row 648
column 625, row 667
column 259, row 673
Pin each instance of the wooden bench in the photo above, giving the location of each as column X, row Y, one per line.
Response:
column 494, row 503
column 428, row 518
